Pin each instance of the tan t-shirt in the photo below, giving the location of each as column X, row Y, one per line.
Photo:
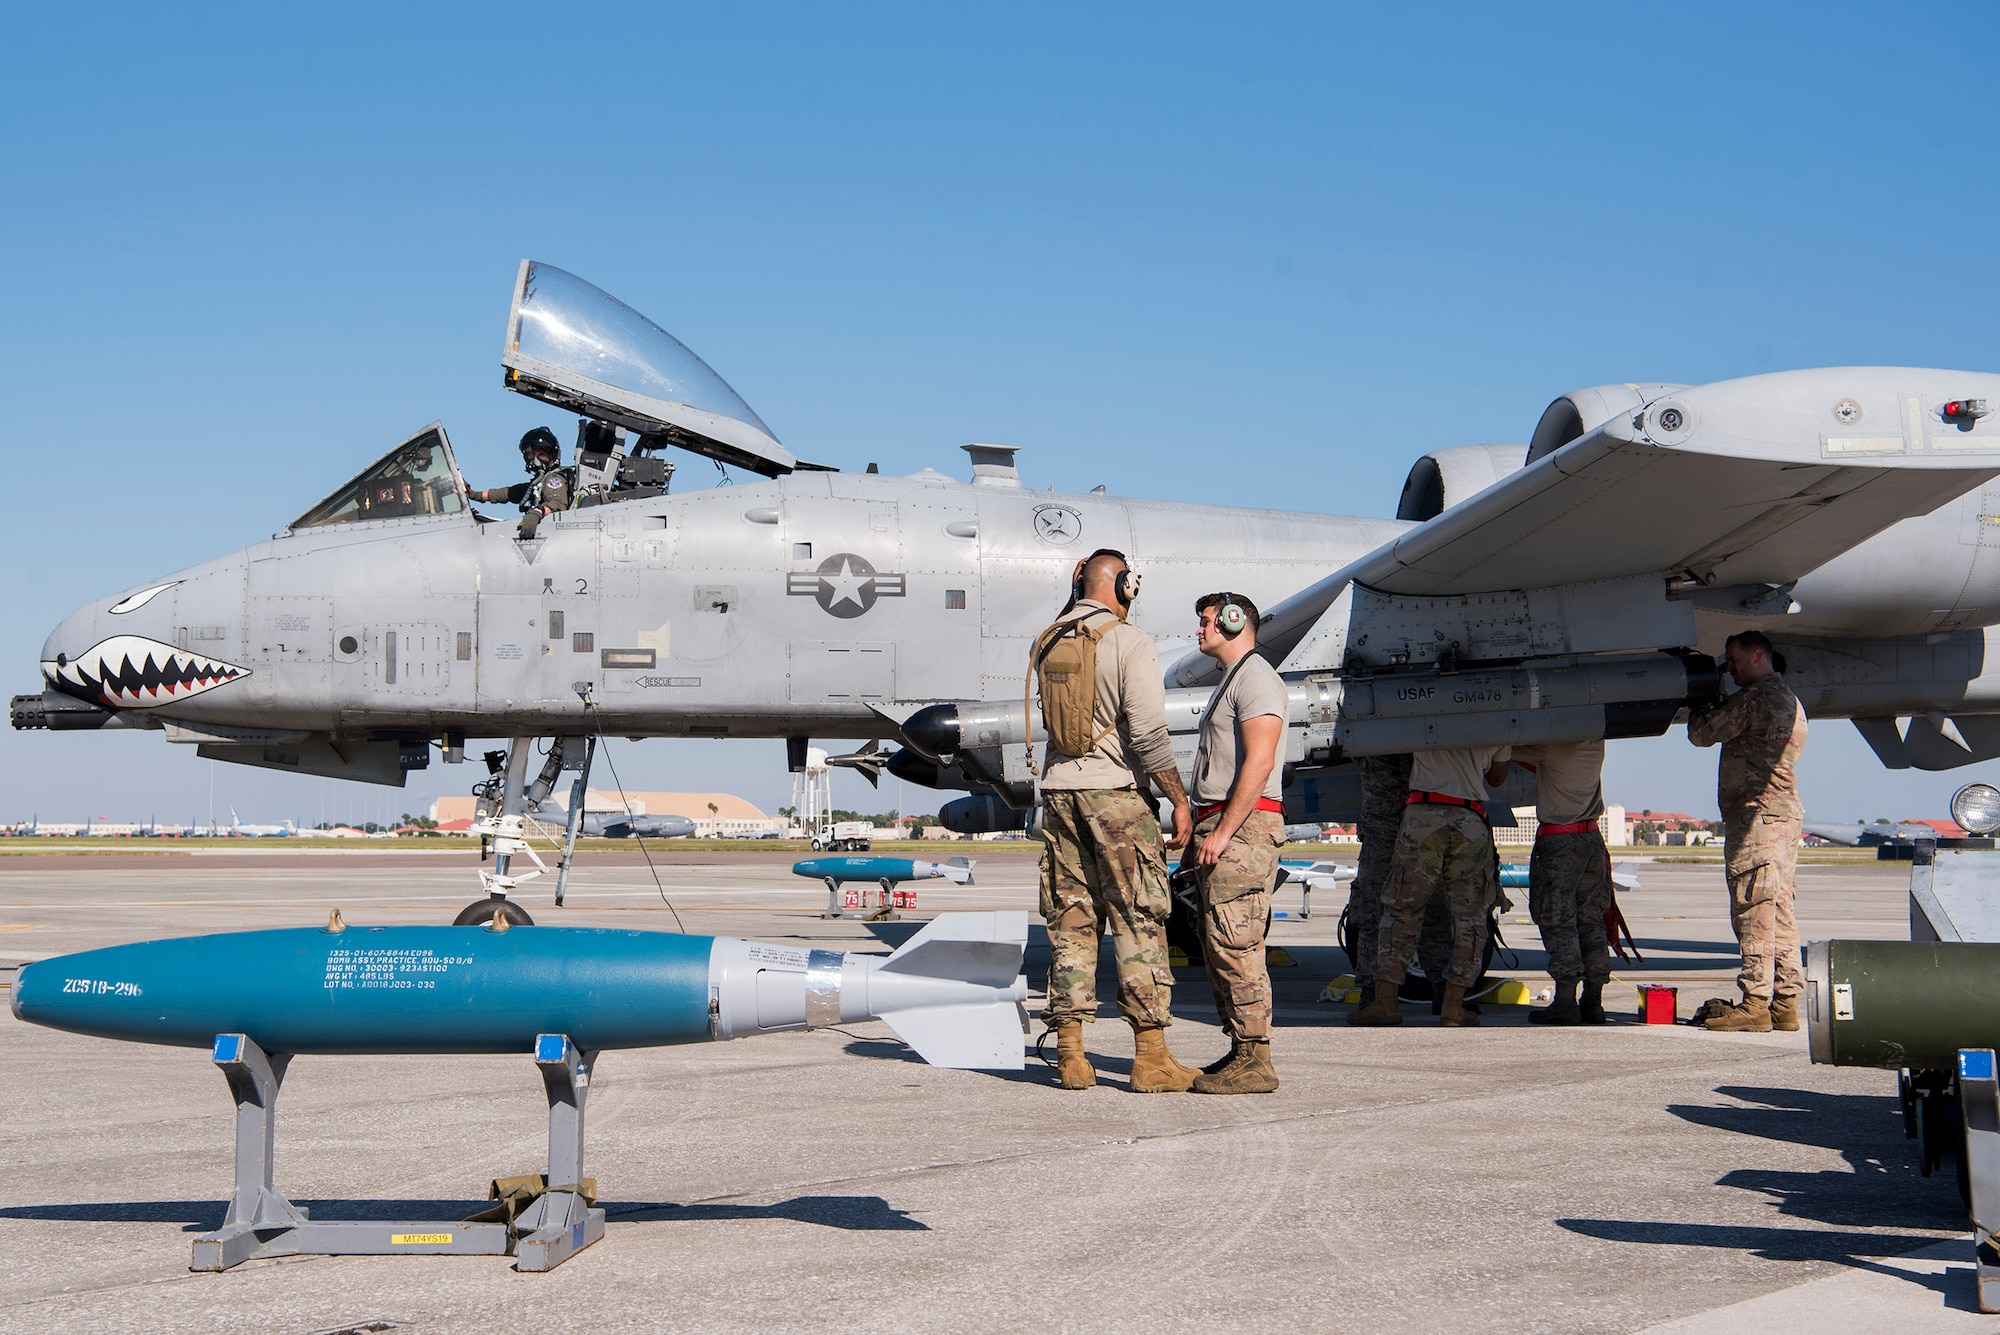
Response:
column 1569, row 780
column 1459, row 772
column 1251, row 689
column 1131, row 693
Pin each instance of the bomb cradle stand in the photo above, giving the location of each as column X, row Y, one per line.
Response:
column 1979, row 1105
column 885, row 907
column 559, row 1222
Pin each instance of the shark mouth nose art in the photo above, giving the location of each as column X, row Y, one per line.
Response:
column 130, row 671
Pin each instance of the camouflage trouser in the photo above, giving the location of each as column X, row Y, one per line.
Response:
column 1447, row 851
column 1569, row 890
column 1103, row 865
column 1385, row 783
column 1761, row 850
column 1235, row 915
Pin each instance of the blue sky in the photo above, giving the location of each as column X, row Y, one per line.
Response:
column 1262, row 256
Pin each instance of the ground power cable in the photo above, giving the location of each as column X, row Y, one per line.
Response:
column 625, row 799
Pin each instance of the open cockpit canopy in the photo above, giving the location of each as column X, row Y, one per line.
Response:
column 415, row 479
column 582, row 349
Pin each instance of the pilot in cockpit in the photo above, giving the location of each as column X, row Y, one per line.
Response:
column 549, row 488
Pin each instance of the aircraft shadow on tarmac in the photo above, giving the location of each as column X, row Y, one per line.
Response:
column 858, row 1213
column 1880, row 1187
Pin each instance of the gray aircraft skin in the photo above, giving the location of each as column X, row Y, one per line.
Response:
column 1568, row 589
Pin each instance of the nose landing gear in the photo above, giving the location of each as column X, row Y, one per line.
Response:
column 507, row 802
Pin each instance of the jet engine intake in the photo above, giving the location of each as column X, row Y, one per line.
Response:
column 1443, row 478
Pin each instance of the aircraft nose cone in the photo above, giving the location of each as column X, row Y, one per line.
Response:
column 123, row 652
column 73, row 635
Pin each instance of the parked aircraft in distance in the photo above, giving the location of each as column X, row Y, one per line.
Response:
column 619, row 824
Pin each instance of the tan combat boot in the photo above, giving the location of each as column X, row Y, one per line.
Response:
column 1455, row 1015
column 1154, row 1070
column 1073, row 1068
column 1249, row 1073
column 1235, row 1051
column 1383, row 1010
column 1785, row 1014
column 1751, row 1016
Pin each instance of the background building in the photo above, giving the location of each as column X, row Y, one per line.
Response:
column 712, row 813
column 1613, row 825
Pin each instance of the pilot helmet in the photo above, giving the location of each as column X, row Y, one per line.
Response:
column 541, row 440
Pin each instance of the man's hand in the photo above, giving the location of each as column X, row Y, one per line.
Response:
column 1183, row 824
column 1212, row 848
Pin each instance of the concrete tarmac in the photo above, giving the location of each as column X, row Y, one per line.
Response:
column 1507, row 1179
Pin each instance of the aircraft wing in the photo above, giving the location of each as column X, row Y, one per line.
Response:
column 1743, row 482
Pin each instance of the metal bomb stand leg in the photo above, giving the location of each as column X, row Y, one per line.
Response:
column 262, row 1223
column 1979, row 1100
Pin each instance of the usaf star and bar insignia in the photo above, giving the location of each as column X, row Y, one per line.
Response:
column 845, row 585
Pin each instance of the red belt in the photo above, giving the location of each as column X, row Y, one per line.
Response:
column 1574, row 827
column 1418, row 797
column 1263, row 804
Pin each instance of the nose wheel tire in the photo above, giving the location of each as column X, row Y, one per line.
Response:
column 480, row 912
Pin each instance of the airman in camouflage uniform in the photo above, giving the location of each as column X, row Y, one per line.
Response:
column 1103, row 862
column 1443, row 847
column 1238, row 793
column 1385, row 785
column 1762, row 729
column 1102, row 845
column 1236, row 912
column 1569, row 877
column 1569, row 883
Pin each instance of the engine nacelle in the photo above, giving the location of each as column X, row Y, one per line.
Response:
column 1443, row 478
column 1584, row 410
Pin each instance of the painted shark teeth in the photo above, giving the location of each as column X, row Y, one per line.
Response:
column 133, row 672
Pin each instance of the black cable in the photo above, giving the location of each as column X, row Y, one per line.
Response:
column 626, row 801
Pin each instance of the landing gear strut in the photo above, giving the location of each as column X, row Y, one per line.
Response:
column 507, row 802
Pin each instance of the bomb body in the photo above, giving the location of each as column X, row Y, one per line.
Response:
column 446, row 990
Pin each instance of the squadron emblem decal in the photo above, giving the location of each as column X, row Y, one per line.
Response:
column 1057, row 525
column 845, row 585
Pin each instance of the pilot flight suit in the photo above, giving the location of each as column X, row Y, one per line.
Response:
column 548, row 492
column 1762, row 729
column 1103, row 862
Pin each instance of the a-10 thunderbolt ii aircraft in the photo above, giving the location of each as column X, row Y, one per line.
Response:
column 1572, row 588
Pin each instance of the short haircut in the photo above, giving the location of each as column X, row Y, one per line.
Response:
column 1102, row 566
column 1754, row 641
column 1208, row 600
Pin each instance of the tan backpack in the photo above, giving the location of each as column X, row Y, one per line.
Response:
column 1065, row 661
